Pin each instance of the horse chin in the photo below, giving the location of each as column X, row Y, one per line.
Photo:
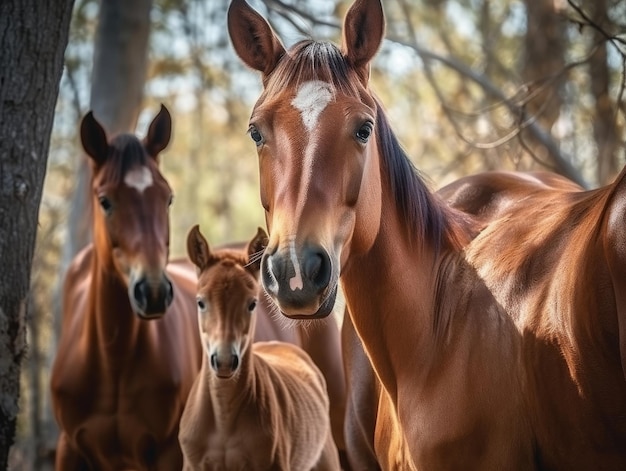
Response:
column 148, row 317
column 323, row 311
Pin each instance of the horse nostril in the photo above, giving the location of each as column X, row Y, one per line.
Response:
column 169, row 292
column 140, row 293
column 317, row 268
column 214, row 363
column 235, row 363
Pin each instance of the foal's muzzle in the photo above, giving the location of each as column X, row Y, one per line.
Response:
column 300, row 281
column 150, row 298
column 224, row 366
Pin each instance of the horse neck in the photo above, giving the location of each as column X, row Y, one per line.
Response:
column 391, row 291
column 228, row 396
column 112, row 321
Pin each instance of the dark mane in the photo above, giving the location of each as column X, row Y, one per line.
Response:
column 125, row 152
column 428, row 218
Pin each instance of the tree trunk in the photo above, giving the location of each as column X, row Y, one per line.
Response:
column 544, row 59
column 605, row 130
column 34, row 36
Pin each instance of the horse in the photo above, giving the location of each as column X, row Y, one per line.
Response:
column 129, row 349
column 254, row 405
column 320, row 340
column 344, row 204
column 554, row 257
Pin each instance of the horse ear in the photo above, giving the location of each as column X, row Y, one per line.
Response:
column 253, row 39
column 94, row 139
column 198, row 248
column 363, row 32
column 159, row 132
column 255, row 250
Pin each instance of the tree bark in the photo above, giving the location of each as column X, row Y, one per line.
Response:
column 33, row 35
column 605, row 131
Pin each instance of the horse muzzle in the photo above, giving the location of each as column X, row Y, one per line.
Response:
column 150, row 298
column 301, row 283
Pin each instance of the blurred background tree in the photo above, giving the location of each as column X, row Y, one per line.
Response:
column 470, row 85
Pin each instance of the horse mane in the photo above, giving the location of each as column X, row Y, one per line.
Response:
column 125, row 152
column 428, row 217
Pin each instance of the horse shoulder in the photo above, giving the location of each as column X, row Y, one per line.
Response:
column 615, row 254
column 296, row 394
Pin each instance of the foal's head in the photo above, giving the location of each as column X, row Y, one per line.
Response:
column 131, row 205
column 228, row 288
column 315, row 128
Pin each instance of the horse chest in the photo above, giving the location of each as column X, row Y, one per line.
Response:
column 132, row 408
column 246, row 448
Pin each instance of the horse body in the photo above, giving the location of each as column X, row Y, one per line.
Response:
column 254, row 406
column 128, row 351
column 344, row 203
column 562, row 280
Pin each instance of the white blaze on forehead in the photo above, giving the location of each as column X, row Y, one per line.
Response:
column 139, row 178
column 311, row 99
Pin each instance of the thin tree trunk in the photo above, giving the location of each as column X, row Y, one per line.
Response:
column 605, row 130
column 33, row 36
column 544, row 59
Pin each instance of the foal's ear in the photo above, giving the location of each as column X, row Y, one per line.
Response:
column 363, row 32
column 94, row 139
column 253, row 38
column 198, row 248
column 255, row 250
column 159, row 133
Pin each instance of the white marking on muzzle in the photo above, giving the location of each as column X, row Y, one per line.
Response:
column 139, row 178
column 295, row 282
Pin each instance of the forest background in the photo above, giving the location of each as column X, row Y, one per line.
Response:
column 469, row 85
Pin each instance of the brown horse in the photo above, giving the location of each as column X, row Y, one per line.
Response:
column 555, row 258
column 254, row 405
column 342, row 199
column 129, row 349
column 321, row 341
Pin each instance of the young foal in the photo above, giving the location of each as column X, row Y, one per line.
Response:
column 341, row 198
column 555, row 258
column 129, row 349
column 254, row 406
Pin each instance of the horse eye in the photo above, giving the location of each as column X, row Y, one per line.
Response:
column 252, row 305
column 256, row 135
column 201, row 305
column 105, row 204
column 364, row 132
column 170, row 201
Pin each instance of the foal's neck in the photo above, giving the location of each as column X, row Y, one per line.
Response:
column 228, row 396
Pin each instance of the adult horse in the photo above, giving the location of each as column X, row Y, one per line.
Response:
column 555, row 258
column 129, row 349
column 341, row 198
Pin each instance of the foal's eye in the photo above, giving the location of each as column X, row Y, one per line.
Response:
column 201, row 304
column 105, row 204
column 256, row 135
column 252, row 305
column 364, row 132
column 170, row 201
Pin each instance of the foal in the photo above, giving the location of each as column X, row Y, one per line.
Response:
column 254, row 406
